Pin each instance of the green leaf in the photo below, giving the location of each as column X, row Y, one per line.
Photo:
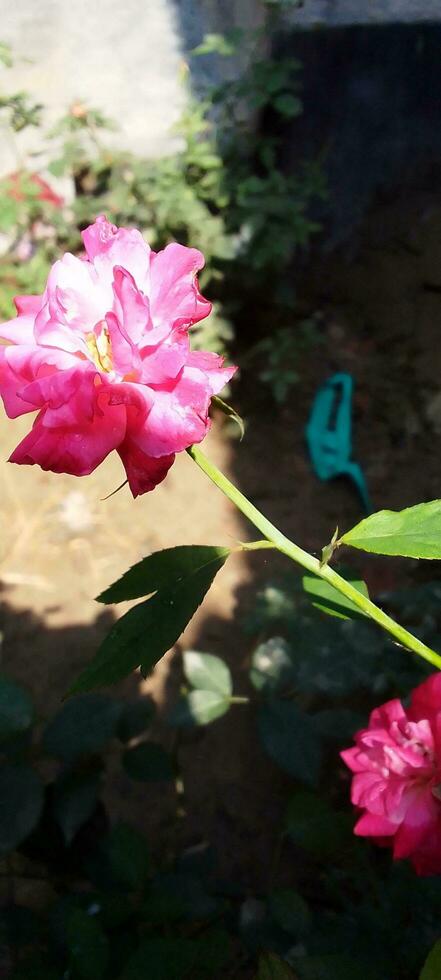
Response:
column 136, row 719
column 83, row 726
column 290, row 738
column 147, row 763
column 199, row 708
column 333, row 966
column 162, row 959
column 5, row 54
column 272, row 967
column 222, row 44
column 432, row 967
column 176, row 958
column 9, row 213
column 21, row 793
column 151, row 628
column 128, row 855
column 16, row 710
column 338, row 724
column 329, row 600
column 88, row 946
column 230, row 412
column 313, row 825
column 413, row 533
column 161, row 570
column 290, row 911
column 208, row 673
column 74, row 801
column 288, row 105
column 272, row 667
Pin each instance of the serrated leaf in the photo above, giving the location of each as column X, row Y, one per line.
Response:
column 82, row 727
column 208, row 673
column 160, row 570
column 148, row 762
column 332, row 602
column 290, row 738
column 198, row 708
column 272, row 967
column 412, row 533
column 21, row 795
column 147, row 631
column 16, row 710
column 74, row 800
column 432, row 967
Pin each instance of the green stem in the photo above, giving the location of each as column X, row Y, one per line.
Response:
column 311, row 564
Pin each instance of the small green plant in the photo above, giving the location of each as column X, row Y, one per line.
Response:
column 17, row 110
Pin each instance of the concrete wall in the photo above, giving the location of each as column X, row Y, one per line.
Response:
column 123, row 58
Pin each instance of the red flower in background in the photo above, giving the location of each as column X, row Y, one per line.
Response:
column 397, row 777
column 13, row 184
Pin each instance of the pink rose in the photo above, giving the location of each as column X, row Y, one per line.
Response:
column 397, row 777
column 104, row 356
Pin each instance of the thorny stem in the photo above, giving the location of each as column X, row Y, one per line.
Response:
column 303, row 558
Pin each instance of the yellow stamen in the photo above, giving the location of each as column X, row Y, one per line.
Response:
column 100, row 348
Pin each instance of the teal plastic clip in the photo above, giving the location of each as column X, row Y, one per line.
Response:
column 329, row 435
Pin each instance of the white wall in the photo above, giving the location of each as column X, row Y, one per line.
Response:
column 123, row 58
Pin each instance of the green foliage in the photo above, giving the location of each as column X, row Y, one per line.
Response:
column 159, row 569
column 20, row 110
column 75, row 797
column 122, row 909
column 208, row 673
column 81, row 727
column 87, row 945
column 432, row 967
column 148, row 762
column 16, row 710
column 199, row 708
column 279, row 355
column 414, row 532
column 327, row 599
column 179, row 578
column 290, row 911
column 315, row 827
column 22, row 801
column 128, row 856
column 272, row 967
column 290, row 738
column 230, row 412
column 212, row 690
